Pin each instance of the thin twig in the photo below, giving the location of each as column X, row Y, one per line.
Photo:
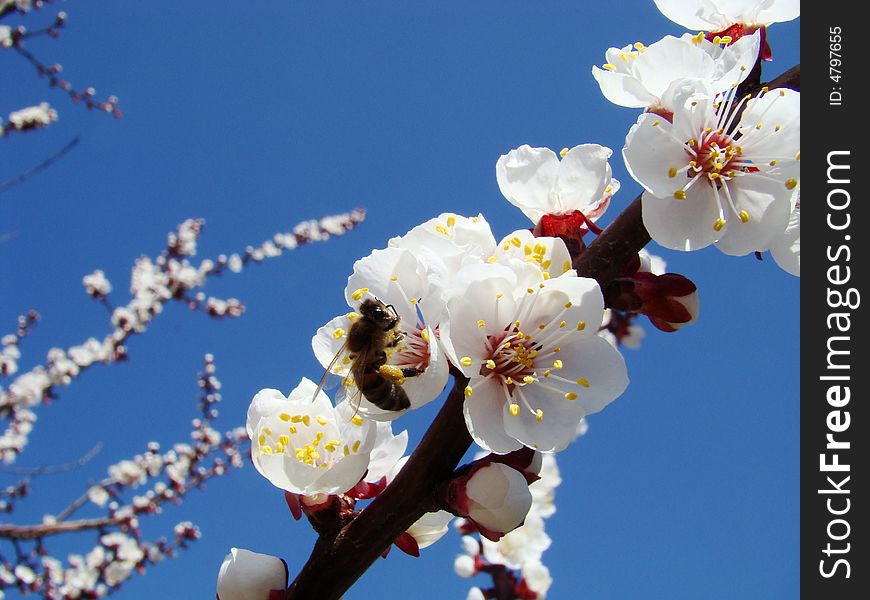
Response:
column 41, row 166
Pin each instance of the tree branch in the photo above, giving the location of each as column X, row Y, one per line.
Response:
column 337, row 562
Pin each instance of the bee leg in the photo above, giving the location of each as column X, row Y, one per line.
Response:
column 393, row 373
column 410, row 372
column 395, row 341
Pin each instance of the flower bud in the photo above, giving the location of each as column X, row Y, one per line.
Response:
column 464, row 566
column 247, row 575
column 495, row 496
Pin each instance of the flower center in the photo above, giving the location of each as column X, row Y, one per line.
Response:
column 715, row 156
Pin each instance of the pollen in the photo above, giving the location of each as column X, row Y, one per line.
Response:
column 569, row 304
column 719, row 224
column 322, row 421
column 352, row 316
column 516, row 241
column 355, row 447
column 791, row 184
column 514, row 410
column 394, row 278
column 562, row 324
column 528, row 379
column 656, row 123
column 359, row 293
column 284, row 439
column 357, row 420
column 491, row 259
column 481, row 323
column 744, row 216
column 262, row 439
column 451, row 221
column 557, row 364
column 672, row 172
column 291, row 429
column 338, row 333
column 530, row 290
column 465, row 361
column 442, row 230
column 583, row 381
column 490, row 364
column 680, row 195
column 581, row 325
column 609, row 67
column 565, row 151
column 284, row 417
column 698, row 38
column 570, row 396
column 468, row 391
column 539, row 415
column 566, row 266
column 424, row 334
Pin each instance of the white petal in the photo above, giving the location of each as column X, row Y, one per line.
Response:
column 483, row 417
column 735, row 62
column 650, row 153
column 526, row 176
column 670, row 59
column 682, row 224
column 786, row 249
column 779, row 12
column 265, row 402
column 246, row 575
column 584, row 173
column 623, row 89
column 691, row 14
column 767, row 202
column 329, row 341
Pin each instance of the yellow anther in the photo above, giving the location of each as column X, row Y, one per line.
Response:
column 481, row 323
column 569, row 304
column 726, row 39
column 698, row 38
column 791, row 184
column 639, row 47
column 284, row 439
column 624, row 56
column 744, row 216
column 451, row 221
column 509, row 380
column 465, row 361
column 322, row 421
column 545, row 275
column 656, row 123
column 266, row 450
column 528, row 379
column 491, row 259
column 516, row 241
column 514, row 410
column 777, row 127
column 797, row 156
column 355, row 447
column 424, row 334
column 557, row 364
column 442, row 230
column 609, row 67
column 346, row 450
column 758, row 126
column 562, row 324
column 490, row 364
column 338, row 333
column 717, row 40
column 517, row 324
column 284, row 417
column 292, row 429
column 583, row 381
column 306, row 420
column 581, row 325
column 267, row 431
column 539, row 415
column 393, row 373
column 773, row 163
column 570, row 396
column 719, row 224
column 557, row 350
column 357, row 420
column 468, row 391
column 413, row 300
column 692, row 142
column 359, row 293
column 530, row 290
column 680, row 195
column 279, row 448
column 566, row 266
column 352, row 316
column 527, row 250
column 672, row 172
column 261, row 439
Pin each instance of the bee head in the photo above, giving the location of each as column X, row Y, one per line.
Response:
column 378, row 313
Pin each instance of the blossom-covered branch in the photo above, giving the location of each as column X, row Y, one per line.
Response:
column 120, row 549
column 154, row 282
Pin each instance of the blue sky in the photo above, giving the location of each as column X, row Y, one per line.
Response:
column 258, row 117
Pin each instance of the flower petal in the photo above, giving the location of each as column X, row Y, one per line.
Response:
column 526, row 176
column 682, row 224
column 484, row 417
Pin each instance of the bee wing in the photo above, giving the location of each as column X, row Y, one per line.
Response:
column 329, row 369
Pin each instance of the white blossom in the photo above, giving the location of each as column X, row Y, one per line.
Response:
column 246, row 575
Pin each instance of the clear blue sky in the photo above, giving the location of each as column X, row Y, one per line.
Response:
column 257, row 116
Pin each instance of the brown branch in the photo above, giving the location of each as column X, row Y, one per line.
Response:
column 337, row 562
column 30, row 532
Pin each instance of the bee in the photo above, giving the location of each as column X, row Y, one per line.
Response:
column 369, row 337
